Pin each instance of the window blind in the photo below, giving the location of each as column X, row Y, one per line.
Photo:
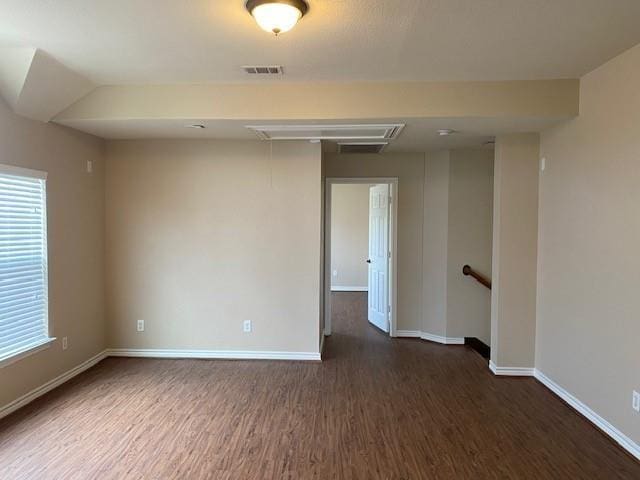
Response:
column 23, row 260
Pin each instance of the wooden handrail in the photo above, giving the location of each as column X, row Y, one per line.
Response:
column 467, row 270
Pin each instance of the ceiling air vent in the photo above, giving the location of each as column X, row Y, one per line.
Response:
column 263, row 69
column 364, row 133
column 361, row 147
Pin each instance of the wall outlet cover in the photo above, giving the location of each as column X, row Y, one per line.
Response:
column 246, row 326
column 636, row 401
column 140, row 325
column 65, row 343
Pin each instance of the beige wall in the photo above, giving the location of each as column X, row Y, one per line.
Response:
column 557, row 99
column 409, row 168
column 202, row 235
column 349, row 235
column 469, row 242
column 75, row 210
column 515, row 231
column 588, row 325
column 458, row 199
column 435, row 238
column 322, row 279
column 425, row 229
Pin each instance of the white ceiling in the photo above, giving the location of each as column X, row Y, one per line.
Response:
column 189, row 41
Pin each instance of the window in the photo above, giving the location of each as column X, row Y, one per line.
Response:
column 23, row 262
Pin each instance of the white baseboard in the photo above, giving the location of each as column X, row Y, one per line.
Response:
column 349, row 289
column 430, row 337
column 212, row 354
column 624, row 441
column 510, row 371
column 152, row 353
column 50, row 385
column 439, row 339
column 408, row 333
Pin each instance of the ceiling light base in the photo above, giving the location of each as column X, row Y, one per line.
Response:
column 299, row 4
column 277, row 16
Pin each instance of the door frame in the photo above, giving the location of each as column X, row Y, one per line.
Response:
column 393, row 244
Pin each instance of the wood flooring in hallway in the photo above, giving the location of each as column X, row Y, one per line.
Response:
column 375, row 408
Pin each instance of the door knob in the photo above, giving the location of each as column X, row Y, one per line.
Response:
column 368, row 260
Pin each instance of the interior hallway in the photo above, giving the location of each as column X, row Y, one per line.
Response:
column 376, row 408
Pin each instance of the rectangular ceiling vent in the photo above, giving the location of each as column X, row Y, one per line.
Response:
column 361, row 147
column 263, row 69
column 369, row 133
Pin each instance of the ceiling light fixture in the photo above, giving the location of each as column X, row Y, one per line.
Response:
column 277, row 16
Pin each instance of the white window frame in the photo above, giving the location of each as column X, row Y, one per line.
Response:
column 30, row 349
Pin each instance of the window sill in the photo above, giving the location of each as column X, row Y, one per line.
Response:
column 26, row 351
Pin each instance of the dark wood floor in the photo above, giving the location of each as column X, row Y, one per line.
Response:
column 376, row 408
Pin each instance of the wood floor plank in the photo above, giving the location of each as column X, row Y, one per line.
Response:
column 375, row 408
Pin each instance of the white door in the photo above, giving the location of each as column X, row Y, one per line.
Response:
column 379, row 256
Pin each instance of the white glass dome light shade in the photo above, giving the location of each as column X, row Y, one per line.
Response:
column 277, row 16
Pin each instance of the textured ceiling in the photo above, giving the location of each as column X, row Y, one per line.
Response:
column 188, row 41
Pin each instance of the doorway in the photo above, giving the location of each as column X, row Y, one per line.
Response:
column 377, row 257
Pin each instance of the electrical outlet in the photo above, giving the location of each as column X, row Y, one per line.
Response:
column 89, row 166
column 543, row 164
column 636, row 401
column 141, row 325
column 246, row 326
column 65, row 343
